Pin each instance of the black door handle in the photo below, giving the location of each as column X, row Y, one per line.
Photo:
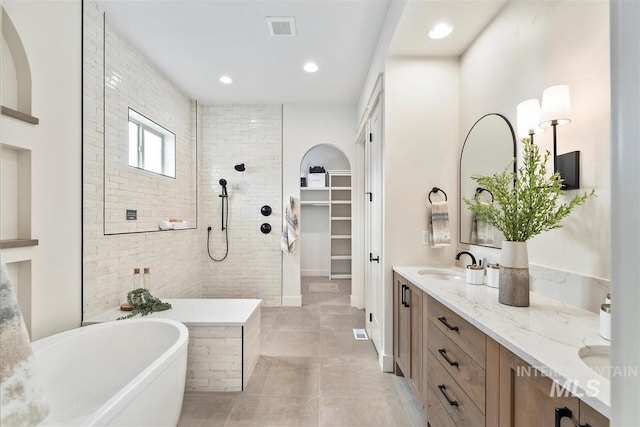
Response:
column 444, row 321
column 443, row 352
column 402, row 295
column 443, row 390
column 370, row 195
column 562, row 413
column 376, row 259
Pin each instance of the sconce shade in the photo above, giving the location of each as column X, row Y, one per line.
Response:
column 528, row 118
column 556, row 105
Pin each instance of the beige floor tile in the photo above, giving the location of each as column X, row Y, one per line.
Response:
column 341, row 343
column 271, row 411
column 340, row 309
column 285, row 376
column 370, row 412
column 200, row 409
column 342, row 377
column 303, row 320
column 342, row 322
column 291, row 344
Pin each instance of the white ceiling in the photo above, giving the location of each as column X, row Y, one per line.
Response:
column 194, row 42
column 468, row 17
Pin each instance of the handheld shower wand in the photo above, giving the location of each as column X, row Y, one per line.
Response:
column 225, row 218
column 223, row 183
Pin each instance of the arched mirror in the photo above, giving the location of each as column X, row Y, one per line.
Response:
column 490, row 147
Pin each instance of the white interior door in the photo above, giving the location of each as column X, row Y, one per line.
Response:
column 373, row 226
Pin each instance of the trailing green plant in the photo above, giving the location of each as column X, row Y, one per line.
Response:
column 527, row 202
column 144, row 303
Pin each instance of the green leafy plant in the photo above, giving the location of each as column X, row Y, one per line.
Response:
column 144, row 303
column 527, row 202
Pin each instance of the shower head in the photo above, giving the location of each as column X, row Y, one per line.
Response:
column 240, row 167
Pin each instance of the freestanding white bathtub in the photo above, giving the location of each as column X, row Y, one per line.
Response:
column 121, row 373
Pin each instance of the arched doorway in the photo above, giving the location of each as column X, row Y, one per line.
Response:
column 325, row 225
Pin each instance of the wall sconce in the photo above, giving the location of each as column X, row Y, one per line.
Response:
column 528, row 118
column 556, row 106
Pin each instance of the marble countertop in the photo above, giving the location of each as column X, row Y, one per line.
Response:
column 547, row 334
column 195, row 312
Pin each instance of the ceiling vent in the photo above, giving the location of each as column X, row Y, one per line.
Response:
column 281, row 25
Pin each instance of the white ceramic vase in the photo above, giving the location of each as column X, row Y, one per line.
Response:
column 514, row 274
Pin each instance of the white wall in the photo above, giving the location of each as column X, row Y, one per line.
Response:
column 249, row 134
column 420, row 146
column 394, row 13
column 625, row 153
column 303, row 127
column 51, row 35
column 526, row 48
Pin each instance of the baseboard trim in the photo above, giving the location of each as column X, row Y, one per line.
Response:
column 292, row 301
column 355, row 302
column 386, row 362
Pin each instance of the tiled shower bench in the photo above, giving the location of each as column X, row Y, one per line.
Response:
column 224, row 339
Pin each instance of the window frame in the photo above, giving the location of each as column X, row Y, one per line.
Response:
column 143, row 124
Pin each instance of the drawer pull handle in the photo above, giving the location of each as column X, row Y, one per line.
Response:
column 444, row 321
column 583, row 425
column 443, row 390
column 562, row 413
column 443, row 352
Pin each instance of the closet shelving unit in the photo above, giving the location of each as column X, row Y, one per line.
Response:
column 340, row 224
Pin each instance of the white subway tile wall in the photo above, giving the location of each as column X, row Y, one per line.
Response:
column 249, row 134
column 132, row 81
column 173, row 257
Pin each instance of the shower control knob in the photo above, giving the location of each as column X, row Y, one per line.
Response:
column 265, row 210
column 265, row 228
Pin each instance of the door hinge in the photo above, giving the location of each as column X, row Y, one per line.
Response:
column 370, row 195
column 370, row 317
column 370, row 137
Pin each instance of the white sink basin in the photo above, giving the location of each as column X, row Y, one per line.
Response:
column 442, row 274
column 598, row 358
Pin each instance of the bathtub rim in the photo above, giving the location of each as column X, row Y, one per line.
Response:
column 136, row 384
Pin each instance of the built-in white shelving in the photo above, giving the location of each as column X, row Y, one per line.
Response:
column 340, row 224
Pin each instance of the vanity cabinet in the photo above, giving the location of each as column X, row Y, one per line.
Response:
column 465, row 378
column 462, row 371
column 407, row 341
column 527, row 397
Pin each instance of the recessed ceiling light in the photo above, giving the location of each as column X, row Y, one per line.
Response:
column 310, row 67
column 441, row 30
column 226, row 80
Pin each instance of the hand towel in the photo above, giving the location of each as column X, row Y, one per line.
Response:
column 439, row 233
column 290, row 232
column 481, row 230
column 21, row 397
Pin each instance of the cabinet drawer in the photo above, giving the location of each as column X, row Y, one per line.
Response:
column 436, row 414
column 456, row 403
column 466, row 336
column 467, row 373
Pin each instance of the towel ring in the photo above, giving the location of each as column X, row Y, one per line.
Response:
column 436, row 190
column 480, row 190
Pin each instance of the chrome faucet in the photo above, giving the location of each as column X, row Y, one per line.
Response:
column 473, row 259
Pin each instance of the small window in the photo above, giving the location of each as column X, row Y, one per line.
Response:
column 151, row 147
